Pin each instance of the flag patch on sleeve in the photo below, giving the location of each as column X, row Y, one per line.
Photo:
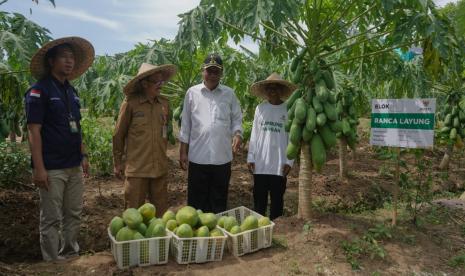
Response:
column 35, row 93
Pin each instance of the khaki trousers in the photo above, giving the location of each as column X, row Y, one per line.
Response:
column 138, row 189
column 60, row 213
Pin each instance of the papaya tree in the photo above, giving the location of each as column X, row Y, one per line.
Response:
column 19, row 39
column 319, row 35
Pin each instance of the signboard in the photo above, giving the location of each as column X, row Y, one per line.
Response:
column 405, row 123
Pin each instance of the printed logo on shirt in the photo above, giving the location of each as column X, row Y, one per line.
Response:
column 35, row 93
column 138, row 114
column 272, row 126
column 283, row 118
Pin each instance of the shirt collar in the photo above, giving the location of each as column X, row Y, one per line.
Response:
column 217, row 88
column 64, row 85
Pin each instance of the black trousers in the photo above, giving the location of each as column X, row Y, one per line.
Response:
column 274, row 185
column 207, row 186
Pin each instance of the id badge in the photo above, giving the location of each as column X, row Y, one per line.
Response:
column 73, row 126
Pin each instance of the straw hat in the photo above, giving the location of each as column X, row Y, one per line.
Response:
column 83, row 54
column 259, row 88
column 146, row 70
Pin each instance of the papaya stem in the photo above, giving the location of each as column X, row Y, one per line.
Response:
column 375, row 53
column 353, row 44
column 289, row 38
column 331, row 32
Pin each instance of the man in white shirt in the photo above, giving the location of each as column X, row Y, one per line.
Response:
column 211, row 121
column 266, row 158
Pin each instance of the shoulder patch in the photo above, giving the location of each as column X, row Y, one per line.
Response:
column 35, row 93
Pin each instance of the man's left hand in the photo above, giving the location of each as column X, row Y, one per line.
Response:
column 85, row 167
column 237, row 142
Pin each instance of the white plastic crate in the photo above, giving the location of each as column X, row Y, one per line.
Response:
column 247, row 241
column 151, row 251
column 198, row 249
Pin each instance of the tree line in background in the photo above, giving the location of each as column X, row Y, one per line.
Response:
column 365, row 49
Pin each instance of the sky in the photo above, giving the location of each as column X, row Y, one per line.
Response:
column 113, row 26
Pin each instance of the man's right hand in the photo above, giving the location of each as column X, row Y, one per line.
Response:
column 183, row 160
column 40, row 178
column 118, row 171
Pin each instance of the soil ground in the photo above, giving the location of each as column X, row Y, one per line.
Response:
column 345, row 210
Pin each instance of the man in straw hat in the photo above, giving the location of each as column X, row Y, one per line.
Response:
column 211, row 122
column 55, row 139
column 141, row 136
column 266, row 158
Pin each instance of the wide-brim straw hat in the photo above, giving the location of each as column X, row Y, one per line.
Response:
column 83, row 56
column 146, row 70
column 259, row 88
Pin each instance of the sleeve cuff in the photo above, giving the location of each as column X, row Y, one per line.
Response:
column 183, row 138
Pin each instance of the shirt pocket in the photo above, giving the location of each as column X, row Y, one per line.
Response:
column 222, row 113
column 138, row 122
column 58, row 111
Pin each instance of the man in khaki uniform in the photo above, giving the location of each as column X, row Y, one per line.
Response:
column 141, row 138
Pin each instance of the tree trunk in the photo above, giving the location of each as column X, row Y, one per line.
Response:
column 342, row 158
column 305, row 183
column 445, row 160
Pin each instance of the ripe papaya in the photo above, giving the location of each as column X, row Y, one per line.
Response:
column 318, row 152
column 310, row 124
column 321, row 119
column 328, row 136
column 330, row 111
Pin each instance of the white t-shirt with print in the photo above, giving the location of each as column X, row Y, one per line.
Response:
column 268, row 140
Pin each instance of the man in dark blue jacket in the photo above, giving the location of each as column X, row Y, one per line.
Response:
column 55, row 139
